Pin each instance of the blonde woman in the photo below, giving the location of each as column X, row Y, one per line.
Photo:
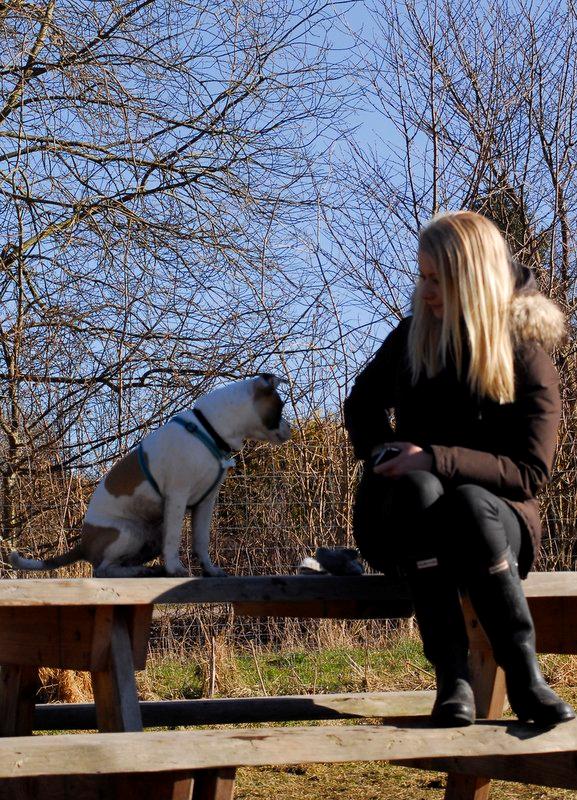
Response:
column 452, row 504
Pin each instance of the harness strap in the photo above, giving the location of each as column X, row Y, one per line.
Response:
column 216, row 482
column 144, row 467
column 223, row 457
column 208, row 441
column 218, row 440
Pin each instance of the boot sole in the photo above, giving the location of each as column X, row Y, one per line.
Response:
column 452, row 723
column 449, row 720
column 546, row 722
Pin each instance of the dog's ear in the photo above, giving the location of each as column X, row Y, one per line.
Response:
column 266, row 383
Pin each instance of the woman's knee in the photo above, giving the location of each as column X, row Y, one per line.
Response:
column 417, row 490
column 473, row 500
column 477, row 507
column 388, row 514
column 480, row 524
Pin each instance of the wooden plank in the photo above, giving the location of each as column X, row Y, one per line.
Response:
column 101, row 636
column 462, row 786
column 551, row 584
column 168, row 751
column 214, row 784
column 18, row 689
column 555, row 621
column 487, row 679
column 137, row 618
column 146, row 591
column 293, row 708
column 549, row 770
column 140, row 623
column 115, row 693
column 346, row 608
column 85, row 787
column 553, row 769
column 540, row 588
column 162, row 786
column 59, row 637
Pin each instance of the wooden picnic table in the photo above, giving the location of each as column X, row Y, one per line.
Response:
column 103, row 626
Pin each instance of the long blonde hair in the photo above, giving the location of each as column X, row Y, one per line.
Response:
column 477, row 284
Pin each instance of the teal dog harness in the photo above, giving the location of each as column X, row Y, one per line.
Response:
column 210, row 439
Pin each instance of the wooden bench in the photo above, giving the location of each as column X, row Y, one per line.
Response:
column 505, row 749
column 103, row 626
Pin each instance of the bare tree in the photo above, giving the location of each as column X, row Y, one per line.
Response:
column 156, row 160
column 477, row 108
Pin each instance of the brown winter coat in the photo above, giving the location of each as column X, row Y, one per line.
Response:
column 505, row 448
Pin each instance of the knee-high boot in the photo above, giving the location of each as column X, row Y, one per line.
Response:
column 499, row 601
column 445, row 642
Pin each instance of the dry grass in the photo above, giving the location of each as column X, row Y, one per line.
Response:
column 64, row 686
column 225, row 670
column 361, row 781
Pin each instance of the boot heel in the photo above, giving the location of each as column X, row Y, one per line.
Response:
column 541, row 705
column 455, row 703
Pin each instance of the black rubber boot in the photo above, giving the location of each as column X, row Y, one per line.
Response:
column 455, row 704
column 445, row 642
column 503, row 611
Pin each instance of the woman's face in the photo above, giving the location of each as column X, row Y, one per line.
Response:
column 429, row 285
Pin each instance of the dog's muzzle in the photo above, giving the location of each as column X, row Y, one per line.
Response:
column 283, row 431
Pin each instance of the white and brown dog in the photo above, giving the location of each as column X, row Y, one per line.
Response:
column 137, row 509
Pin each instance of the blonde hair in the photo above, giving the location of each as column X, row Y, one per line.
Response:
column 477, row 285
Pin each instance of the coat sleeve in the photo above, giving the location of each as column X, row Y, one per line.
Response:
column 528, row 449
column 366, row 408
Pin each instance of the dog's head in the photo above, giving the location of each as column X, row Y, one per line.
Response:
column 268, row 406
column 247, row 409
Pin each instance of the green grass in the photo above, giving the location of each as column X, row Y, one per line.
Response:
column 331, row 670
column 174, row 679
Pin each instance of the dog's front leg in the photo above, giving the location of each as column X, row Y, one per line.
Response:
column 200, row 518
column 174, row 511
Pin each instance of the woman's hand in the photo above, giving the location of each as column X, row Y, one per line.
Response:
column 409, row 459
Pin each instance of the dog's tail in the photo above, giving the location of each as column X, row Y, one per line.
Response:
column 76, row 554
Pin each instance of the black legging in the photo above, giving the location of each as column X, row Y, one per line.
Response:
column 415, row 518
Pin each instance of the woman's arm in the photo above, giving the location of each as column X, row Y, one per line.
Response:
column 529, row 443
column 365, row 409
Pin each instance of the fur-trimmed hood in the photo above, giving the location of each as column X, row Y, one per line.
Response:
column 535, row 317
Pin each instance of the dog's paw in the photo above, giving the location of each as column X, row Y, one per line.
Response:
column 214, row 572
column 176, row 570
column 156, row 571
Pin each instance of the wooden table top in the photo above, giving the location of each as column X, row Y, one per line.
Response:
column 263, row 588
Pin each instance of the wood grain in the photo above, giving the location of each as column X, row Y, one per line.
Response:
column 223, row 711
column 18, row 689
column 485, row 743
column 49, row 636
column 114, row 688
column 146, row 591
